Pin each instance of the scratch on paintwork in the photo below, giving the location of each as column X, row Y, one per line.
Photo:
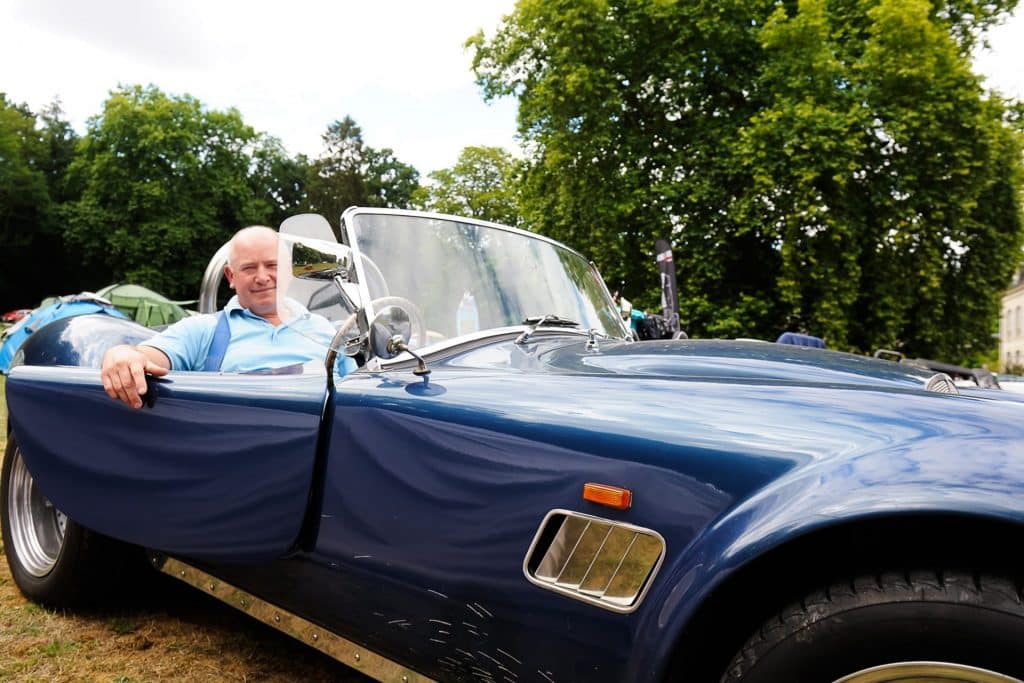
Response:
column 547, row 676
column 431, row 590
column 378, row 614
column 474, row 633
column 436, row 640
column 477, row 671
column 480, row 652
column 474, row 610
column 362, row 557
column 508, row 671
column 468, row 625
column 483, row 609
column 508, row 679
column 502, row 652
column 438, row 621
column 468, row 654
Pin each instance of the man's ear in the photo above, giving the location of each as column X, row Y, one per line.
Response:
column 230, row 276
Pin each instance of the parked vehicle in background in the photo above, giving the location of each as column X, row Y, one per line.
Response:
column 512, row 489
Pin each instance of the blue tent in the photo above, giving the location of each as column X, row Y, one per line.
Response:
column 14, row 336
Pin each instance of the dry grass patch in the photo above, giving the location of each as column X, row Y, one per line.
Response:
column 168, row 633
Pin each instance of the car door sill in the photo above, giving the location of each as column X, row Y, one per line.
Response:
column 345, row 651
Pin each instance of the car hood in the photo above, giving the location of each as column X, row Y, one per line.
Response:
column 703, row 360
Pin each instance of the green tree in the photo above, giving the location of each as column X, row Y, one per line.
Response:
column 835, row 163
column 280, row 180
column 165, row 182
column 482, row 184
column 351, row 173
column 35, row 150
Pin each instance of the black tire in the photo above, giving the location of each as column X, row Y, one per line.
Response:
column 955, row 619
column 53, row 560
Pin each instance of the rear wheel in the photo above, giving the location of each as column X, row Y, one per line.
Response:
column 918, row 626
column 53, row 559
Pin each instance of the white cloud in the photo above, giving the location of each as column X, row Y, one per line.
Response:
column 290, row 69
column 1003, row 64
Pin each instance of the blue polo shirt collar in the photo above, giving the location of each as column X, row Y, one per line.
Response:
column 295, row 310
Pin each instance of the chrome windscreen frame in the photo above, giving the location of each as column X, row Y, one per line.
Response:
column 348, row 233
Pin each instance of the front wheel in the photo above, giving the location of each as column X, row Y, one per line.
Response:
column 54, row 560
column 917, row 626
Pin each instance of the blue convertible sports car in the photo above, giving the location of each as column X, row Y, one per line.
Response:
column 511, row 489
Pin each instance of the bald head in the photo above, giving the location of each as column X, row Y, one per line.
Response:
column 246, row 236
column 252, row 270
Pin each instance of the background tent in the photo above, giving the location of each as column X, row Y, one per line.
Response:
column 144, row 306
column 13, row 337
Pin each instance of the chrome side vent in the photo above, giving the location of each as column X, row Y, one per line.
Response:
column 606, row 563
column 941, row 383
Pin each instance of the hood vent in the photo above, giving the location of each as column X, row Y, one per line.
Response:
column 606, row 563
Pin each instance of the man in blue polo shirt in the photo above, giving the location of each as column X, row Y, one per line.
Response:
column 264, row 333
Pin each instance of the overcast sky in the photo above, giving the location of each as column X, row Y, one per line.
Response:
column 396, row 66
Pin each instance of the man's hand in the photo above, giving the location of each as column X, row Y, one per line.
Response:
column 124, row 372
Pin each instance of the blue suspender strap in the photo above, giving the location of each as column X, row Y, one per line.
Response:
column 219, row 345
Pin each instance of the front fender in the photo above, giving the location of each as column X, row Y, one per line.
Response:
column 961, row 467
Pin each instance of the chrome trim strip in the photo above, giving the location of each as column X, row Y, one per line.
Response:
column 577, row 590
column 345, row 651
column 353, row 211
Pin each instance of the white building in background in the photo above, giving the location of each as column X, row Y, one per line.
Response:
column 1011, row 325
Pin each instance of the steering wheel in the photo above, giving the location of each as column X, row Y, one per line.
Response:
column 418, row 336
column 375, row 276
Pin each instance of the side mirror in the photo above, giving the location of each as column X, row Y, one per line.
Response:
column 310, row 263
column 390, row 333
column 390, row 330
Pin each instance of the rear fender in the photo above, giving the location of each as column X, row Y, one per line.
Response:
column 79, row 340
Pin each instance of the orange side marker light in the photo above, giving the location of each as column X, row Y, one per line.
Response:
column 612, row 496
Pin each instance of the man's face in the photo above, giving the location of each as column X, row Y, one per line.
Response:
column 252, row 272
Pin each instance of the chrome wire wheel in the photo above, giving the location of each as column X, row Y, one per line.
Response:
column 926, row 672
column 37, row 528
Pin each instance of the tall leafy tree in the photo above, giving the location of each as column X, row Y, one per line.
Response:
column 24, row 199
column 834, row 163
column 165, row 181
column 483, row 184
column 35, row 150
column 279, row 179
column 351, row 173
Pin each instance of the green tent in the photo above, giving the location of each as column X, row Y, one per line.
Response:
column 144, row 306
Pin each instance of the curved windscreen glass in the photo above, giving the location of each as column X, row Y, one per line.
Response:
column 463, row 278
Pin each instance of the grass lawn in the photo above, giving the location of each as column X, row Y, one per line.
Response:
column 172, row 633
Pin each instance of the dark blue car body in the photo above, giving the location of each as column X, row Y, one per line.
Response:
column 398, row 511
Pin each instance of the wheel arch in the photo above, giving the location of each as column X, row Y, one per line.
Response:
column 750, row 594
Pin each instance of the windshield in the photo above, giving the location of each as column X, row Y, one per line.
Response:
column 464, row 278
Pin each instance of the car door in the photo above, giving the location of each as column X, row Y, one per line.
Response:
column 214, row 466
